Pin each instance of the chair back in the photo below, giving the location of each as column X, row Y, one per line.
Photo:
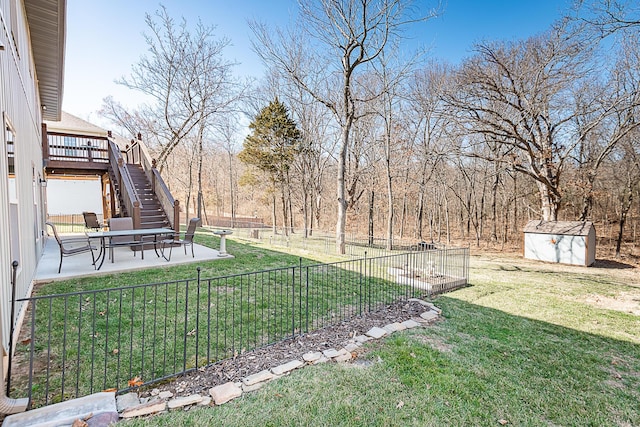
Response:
column 55, row 232
column 117, row 224
column 191, row 229
column 91, row 220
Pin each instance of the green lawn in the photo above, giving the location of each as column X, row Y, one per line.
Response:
column 527, row 344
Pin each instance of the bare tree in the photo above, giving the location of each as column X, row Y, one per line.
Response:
column 617, row 113
column 519, row 96
column 345, row 37
column 184, row 79
column 610, row 16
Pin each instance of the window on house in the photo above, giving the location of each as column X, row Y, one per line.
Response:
column 12, row 179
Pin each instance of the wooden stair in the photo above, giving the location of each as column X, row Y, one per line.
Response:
column 151, row 215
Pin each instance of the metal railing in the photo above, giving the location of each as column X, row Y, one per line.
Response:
column 325, row 243
column 88, row 341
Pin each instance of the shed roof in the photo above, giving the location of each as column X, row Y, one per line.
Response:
column 570, row 228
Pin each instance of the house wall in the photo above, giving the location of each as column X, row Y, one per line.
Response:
column 62, row 195
column 19, row 108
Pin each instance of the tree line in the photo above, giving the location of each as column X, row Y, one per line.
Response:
column 349, row 133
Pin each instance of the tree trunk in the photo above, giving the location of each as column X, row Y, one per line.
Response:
column 285, row 218
column 274, row 216
column 371, row 212
column 625, row 206
column 494, row 203
column 390, row 210
column 231, row 192
column 549, row 203
column 420, row 213
column 341, row 221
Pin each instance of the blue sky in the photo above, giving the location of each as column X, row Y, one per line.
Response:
column 104, row 38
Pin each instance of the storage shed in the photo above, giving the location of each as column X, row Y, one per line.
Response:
column 565, row 242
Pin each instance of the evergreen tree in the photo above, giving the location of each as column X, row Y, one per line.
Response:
column 271, row 148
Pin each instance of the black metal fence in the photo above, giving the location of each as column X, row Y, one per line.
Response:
column 83, row 342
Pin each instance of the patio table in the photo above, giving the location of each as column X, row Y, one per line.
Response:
column 138, row 234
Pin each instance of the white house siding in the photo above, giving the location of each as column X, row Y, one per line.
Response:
column 62, row 195
column 20, row 107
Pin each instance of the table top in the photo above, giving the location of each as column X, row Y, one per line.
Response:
column 134, row 232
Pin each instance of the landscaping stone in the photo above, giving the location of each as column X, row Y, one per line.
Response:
column 351, row 347
column 330, row 353
column 321, row 360
column 261, row 376
column 206, row 401
column 287, row 367
column 376, row 332
column 429, row 315
column 434, row 308
column 103, row 419
column 394, row 327
column 127, row 400
column 426, row 304
column 254, row 387
column 410, row 324
column 184, row 401
column 165, row 394
column 361, row 338
column 223, row 393
column 149, row 408
column 155, row 392
column 64, row 413
column 312, row 356
column 344, row 357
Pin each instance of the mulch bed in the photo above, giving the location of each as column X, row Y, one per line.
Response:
column 251, row 362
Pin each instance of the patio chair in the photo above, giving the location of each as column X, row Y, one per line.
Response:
column 73, row 246
column 118, row 224
column 187, row 241
column 91, row 221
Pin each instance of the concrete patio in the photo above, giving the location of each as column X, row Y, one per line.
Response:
column 80, row 265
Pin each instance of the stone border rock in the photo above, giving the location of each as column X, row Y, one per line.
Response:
column 130, row 405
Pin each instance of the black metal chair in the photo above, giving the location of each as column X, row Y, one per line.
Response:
column 187, row 241
column 70, row 247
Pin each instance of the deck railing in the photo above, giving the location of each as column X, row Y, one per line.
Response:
column 63, row 147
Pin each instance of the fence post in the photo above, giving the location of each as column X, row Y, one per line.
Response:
column 197, row 328
column 14, row 268
column 300, row 297
column 360, row 293
column 307, row 299
column 293, row 301
column 367, row 282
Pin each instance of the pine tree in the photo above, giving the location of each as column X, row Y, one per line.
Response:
column 271, row 147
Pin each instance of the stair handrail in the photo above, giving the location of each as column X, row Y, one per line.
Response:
column 140, row 154
column 130, row 197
